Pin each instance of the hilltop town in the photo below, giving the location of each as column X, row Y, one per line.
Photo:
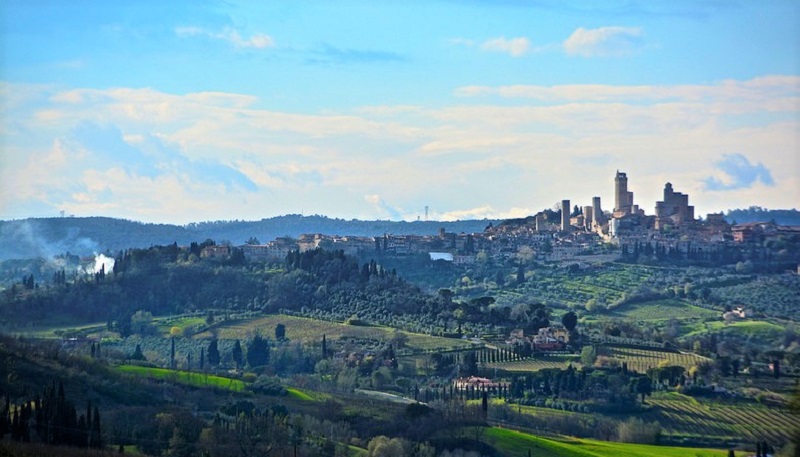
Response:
column 587, row 233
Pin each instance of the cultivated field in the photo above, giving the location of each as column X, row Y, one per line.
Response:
column 517, row 444
column 538, row 363
column 311, row 330
column 681, row 416
column 641, row 359
column 184, row 377
column 661, row 310
column 746, row 328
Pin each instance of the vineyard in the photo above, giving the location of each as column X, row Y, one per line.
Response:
column 637, row 359
column 514, row 443
column 641, row 359
column 685, row 417
column 311, row 330
column 536, row 364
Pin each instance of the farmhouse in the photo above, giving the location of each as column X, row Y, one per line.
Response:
column 476, row 383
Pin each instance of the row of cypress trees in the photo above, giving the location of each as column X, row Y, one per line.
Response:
column 54, row 419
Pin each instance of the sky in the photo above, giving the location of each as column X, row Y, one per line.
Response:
column 202, row 110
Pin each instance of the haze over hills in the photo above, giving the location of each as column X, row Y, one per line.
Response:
column 46, row 237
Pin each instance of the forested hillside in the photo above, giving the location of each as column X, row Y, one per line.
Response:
column 47, row 237
column 758, row 214
column 166, row 280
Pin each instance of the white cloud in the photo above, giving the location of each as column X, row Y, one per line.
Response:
column 553, row 142
column 485, row 212
column 232, row 36
column 772, row 93
column 603, row 41
column 382, row 207
column 515, row 47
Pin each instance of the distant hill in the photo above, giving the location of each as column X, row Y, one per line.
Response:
column 46, row 237
column 758, row 214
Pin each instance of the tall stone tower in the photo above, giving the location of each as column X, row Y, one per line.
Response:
column 565, row 210
column 623, row 200
column 588, row 217
column 597, row 212
column 674, row 210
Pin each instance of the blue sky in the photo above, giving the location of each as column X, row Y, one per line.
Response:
column 192, row 111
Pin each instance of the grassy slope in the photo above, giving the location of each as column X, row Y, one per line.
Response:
column 663, row 309
column 311, row 330
column 298, row 394
column 747, row 328
column 184, row 377
column 512, row 444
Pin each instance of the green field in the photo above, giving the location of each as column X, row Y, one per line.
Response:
column 663, row 309
column 640, row 359
column 184, row 377
column 165, row 324
column 686, row 419
column 298, row 394
column 60, row 330
column 517, row 444
column 747, row 328
column 311, row 330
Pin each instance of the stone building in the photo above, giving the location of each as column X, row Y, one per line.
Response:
column 674, row 210
column 623, row 199
column 565, row 210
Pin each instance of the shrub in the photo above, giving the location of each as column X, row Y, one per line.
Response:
column 635, row 430
column 268, row 385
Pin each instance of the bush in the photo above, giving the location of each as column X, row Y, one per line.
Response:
column 635, row 430
column 355, row 320
column 268, row 385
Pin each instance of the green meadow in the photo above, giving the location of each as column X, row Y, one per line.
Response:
column 311, row 330
column 187, row 378
column 517, row 444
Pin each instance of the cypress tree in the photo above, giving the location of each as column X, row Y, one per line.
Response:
column 236, row 353
column 172, row 354
column 213, row 353
column 96, row 436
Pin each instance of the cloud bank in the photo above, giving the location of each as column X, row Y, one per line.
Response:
column 738, row 173
column 156, row 156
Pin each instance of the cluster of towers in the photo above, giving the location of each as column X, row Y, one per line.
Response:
column 591, row 216
column 674, row 210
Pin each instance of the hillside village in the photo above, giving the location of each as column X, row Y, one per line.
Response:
column 584, row 234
